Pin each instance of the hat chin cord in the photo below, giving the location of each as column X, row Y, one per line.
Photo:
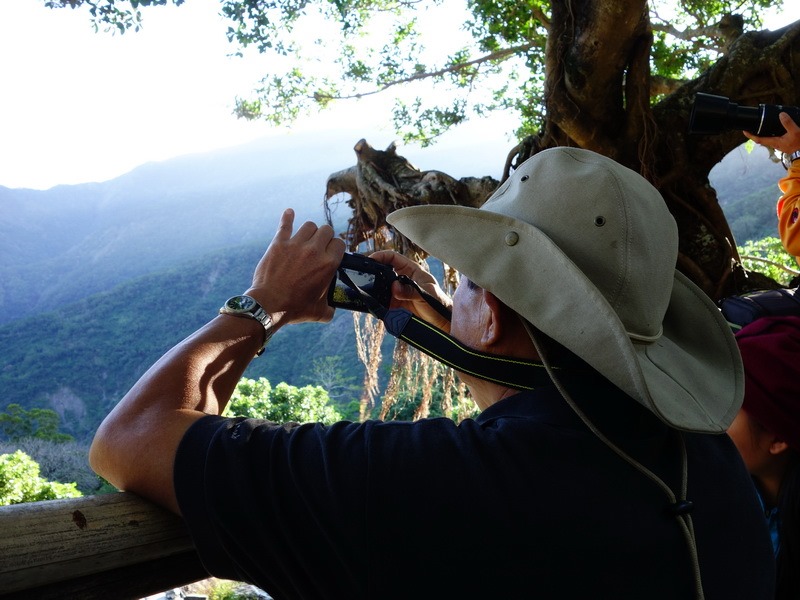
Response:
column 680, row 508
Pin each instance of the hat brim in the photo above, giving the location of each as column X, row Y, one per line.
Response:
column 691, row 376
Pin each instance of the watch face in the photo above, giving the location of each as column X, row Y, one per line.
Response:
column 240, row 303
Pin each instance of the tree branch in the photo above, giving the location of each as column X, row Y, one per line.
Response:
column 661, row 86
column 725, row 32
column 772, row 263
column 499, row 55
column 689, row 34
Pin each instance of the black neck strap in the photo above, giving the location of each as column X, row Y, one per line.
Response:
column 513, row 372
column 517, row 373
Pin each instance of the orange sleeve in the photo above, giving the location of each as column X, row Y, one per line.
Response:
column 788, row 208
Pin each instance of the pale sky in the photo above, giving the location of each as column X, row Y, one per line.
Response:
column 78, row 106
column 81, row 106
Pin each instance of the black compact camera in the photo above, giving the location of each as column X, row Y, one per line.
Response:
column 715, row 114
column 371, row 277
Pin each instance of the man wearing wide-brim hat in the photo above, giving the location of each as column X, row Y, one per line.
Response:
column 598, row 467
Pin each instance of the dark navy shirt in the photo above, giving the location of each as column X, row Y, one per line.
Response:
column 521, row 502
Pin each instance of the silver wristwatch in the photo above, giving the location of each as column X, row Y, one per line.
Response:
column 787, row 159
column 245, row 306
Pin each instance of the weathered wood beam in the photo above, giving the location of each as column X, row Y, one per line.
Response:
column 98, row 547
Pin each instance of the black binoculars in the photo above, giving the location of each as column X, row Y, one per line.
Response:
column 715, row 114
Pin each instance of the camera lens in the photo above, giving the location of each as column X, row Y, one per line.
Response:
column 715, row 114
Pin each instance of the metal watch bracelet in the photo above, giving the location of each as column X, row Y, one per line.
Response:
column 788, row 158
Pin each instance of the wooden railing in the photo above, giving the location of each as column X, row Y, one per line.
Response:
column 113, row 546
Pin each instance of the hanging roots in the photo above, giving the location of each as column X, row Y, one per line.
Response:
column 414, row 375
column 369, row 336
column 379, row 183
column 400, row 373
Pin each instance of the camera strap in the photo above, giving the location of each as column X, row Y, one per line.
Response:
column 514, row 372
column 404, row 325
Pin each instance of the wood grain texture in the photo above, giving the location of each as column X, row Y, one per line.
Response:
column 114, row 545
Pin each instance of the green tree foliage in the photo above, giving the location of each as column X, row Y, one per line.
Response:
column 40, row 423
column 20, row 482
column 283, row 404
column 224, row 589
column 110, row 14
column 118, row 343
column 330, row 373
column 405, row 406
column 61, row 461
column 221, row 589
column 691, row 35
column 481, row 55
column 495, row 57
column 768, row 256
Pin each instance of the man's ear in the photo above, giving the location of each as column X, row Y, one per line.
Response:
column 503, row 332
column 777, row 446
column 496, row 316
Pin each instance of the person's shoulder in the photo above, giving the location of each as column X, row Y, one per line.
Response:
column 717, row 445
column 715, row 461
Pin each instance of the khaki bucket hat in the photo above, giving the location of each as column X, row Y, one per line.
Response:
column 585, row 250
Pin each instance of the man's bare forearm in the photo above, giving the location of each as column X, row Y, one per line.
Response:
column 135, row 445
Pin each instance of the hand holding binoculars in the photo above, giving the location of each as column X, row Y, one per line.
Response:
column 715, row 114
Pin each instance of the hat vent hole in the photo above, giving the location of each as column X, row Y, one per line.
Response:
column 524, row 178
column 599, row 221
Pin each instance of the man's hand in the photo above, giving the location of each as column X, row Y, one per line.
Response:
column 788, row 142
column 292, row 278
column 405, row 296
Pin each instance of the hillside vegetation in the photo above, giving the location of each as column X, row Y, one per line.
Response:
column 80, row 359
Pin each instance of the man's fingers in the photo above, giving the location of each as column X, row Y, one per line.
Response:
column 324, row 233
column 306, row 231
column 402, row 264
column 405, row 291
column 336, row 247
column 764, row 141
column 788, row 122
column 285, row 225
column 322, row 237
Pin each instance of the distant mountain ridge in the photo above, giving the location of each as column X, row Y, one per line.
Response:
column 97, row 280
column 747, row 188
column 62, row 244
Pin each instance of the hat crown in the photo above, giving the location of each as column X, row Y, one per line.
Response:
column 619, row 232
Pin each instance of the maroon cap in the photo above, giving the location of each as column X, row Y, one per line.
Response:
column 770, row 348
